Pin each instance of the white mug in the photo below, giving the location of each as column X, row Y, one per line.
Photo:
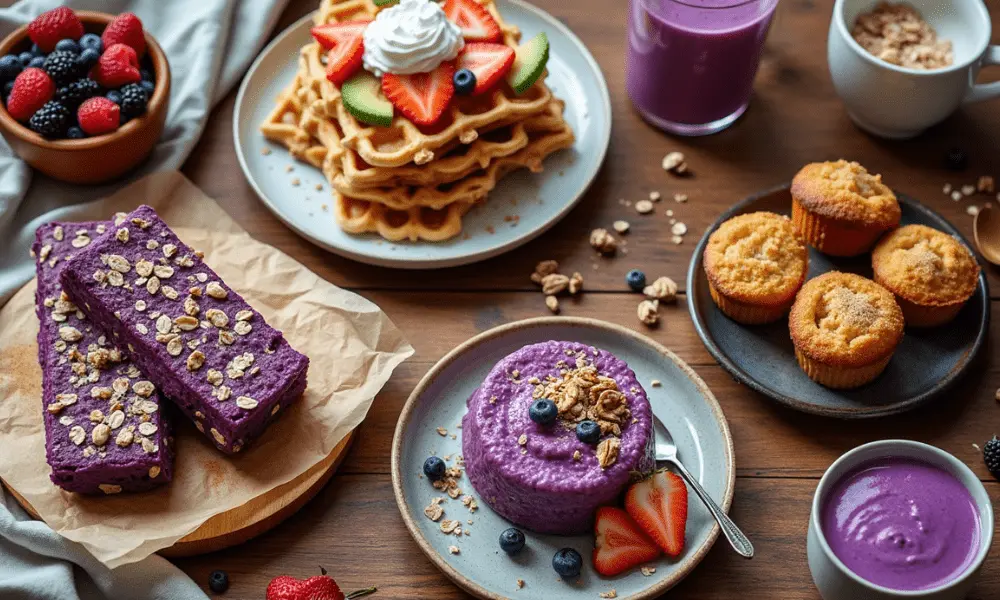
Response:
column 897, row 102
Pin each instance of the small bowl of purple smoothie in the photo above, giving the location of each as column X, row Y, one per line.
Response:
column 898, row 519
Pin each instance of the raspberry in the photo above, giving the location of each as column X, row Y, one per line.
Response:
column 118, row 66
column 126, row 29
column 50, row 120
column 62, row 67
column 98, row 115
column 57, row 24
column 134, row 100
column 32, row 89
column 75, row 93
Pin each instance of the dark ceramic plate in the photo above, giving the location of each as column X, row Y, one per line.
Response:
column 926, row 363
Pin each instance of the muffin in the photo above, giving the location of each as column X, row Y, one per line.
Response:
column 755, row 264
column 840, row 208
column 845, row 329
column 931, row 273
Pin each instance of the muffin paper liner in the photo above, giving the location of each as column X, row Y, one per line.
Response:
column 840, row 377
column 748, row 314
column 830, row 236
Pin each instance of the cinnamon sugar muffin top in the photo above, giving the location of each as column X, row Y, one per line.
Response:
column 845, row 320
column 756, row 258
column 925, row 266
column 846, row 191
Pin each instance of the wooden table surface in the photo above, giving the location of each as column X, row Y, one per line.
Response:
column 353, row 527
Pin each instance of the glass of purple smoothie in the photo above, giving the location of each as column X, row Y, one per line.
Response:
column 690, row 64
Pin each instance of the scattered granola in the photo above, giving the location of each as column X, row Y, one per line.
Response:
column 552, row 303
column 656, row 383
column 678, row 228
column 972, row 210
column 644, row 207
column 655, row 196
column 546, row 267
column 673, row 162
column 602, row 241
column 519, row 583
column 433, row 511
column 554, row 284
column 609, row 594
column 621, row 226
column 453, row 549
column 968, row 190
column 985, row 185
column 898, row 34
column 575, row 283
column 680, row 198
column 647, row 571
column 442, row 431
column 663, row 289
column 648, row 312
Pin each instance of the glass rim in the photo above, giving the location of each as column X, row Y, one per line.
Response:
column 735, row 4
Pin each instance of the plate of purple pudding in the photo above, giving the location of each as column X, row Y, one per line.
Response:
column 504, row 470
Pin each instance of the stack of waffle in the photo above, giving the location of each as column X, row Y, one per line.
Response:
column 404, row 182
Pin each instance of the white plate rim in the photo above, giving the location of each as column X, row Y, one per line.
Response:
column 462, row 259
column 656, row 588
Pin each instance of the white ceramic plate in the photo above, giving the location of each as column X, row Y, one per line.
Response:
column 683, row 402
column 541, row 199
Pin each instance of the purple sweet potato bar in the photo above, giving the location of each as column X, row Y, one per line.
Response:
column 105, row 427
column 201, row 343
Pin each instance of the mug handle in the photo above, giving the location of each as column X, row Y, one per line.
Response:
column 985, row 91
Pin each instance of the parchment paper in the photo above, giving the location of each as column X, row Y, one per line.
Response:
column 352, row 345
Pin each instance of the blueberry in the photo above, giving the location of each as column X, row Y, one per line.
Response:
column 8, row 88
column 68, row 45
column 149, row 86
column 588, row 432
column 146, row 74
column 10, row 66
column 92, row 41
column 956, row 159
column 636, row 280
column 25, row 57
column 512, row 541
column 465, row 82
column 567, row 562
column 36, row 51
column 38, row 62
column 75, row 133
column 434, row 468
column 218, row 582
column 114, row 96
column 88, row 58
column 543, row 411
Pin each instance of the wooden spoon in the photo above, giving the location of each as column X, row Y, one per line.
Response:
column 986, row 230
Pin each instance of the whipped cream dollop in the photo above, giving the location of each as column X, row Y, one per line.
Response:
column 414, row 36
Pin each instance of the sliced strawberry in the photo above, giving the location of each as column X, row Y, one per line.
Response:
column 422, row 97
column 344, row 61
column 619, row 543
column 659, row 504
column 477, row 24
column 489, row 62
column 332, row 34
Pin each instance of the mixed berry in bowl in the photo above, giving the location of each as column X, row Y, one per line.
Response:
column 71, row 84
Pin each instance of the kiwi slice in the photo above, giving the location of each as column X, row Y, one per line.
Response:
column 530, row 60
column 363, row 98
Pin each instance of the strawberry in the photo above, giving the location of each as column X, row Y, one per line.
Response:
column 118, row 66
column 345, row 43
column 490, row 63
column 57, row 24
column 659, row 504
column 98, row 115
column 422, row 97
column 126, row 29
column 32, row 89
column 477, row 24
column 619, row 543
column 331, row 34
column 320, row 587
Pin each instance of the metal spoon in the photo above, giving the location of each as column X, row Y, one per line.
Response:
column 666, row 451
column 986, row 230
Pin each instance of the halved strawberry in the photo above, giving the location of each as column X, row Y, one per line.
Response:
column 477, row 24
column 488, row 62
column 345, row 42
column 422, row 97
column 619, row 543
column 331, row 34
column 659, row 504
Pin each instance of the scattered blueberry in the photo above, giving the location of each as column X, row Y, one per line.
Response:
column 8, row 88
column 36, row 51
column 543, row 411
column 956, row 159
column 38, row 62
column 146, row 74
column 88, row 58
column 75, row 133
column 114, row 96
column 62, row 67
column 636, row 280
column 434, row 468
column 68, row 45
column 134, row 100
column 512, row 540
column 51, row 120
column 567, row 562
column 91, row 41
column 149, row 86
column 588, row 432
column 218, row 582
column 991, row 456
column 10, row 66
column 465, row 82
column 25, row 57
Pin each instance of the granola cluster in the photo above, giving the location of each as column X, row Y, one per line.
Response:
column 898, row 34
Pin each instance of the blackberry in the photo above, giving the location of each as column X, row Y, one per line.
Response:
column 134, row 100
column 62, row 67
column 50, row 120
column 991, row 456
column 75, row 93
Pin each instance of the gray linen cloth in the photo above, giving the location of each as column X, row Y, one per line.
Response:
column 210, row 44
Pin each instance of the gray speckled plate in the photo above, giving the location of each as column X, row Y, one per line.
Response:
column 539, row 200
column 683, row 402
column 925, row 364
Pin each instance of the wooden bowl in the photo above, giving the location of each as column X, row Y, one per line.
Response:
column 100, row 158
